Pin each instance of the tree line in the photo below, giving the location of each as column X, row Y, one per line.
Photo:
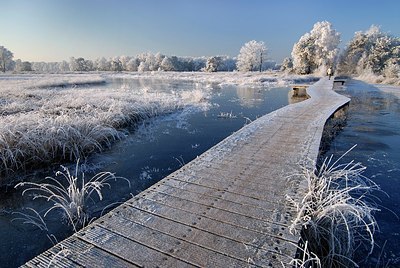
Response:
column 145, row 62
column 372, row 51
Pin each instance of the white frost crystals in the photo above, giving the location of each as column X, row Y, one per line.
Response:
column 252, row 56
column 70, row 194
column 39, row 126
column 316, row 50
column 335, row 214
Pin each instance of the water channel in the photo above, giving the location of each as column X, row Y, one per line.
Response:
column 373, row 125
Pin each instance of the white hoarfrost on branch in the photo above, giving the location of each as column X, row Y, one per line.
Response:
column 287, row 65
column 252, row 56
column 371, row 53
column 316, row 50
column 6, row 62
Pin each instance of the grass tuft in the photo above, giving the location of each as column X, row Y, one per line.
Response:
column 335, row 215
column 70, row 193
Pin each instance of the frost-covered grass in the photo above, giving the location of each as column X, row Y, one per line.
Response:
column 370, row 77
column 41, row 125
column 32, row 217
column 48, row 80
column 335, row 214
column 237, row 78
column 69, row 193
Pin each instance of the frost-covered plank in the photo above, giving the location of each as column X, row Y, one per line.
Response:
column 220, row 203
column 202, row 238
column 222, row 215
column 174, row 247
column 127, row 247
column 223, row 194
column 74, row 252
column 212, row 219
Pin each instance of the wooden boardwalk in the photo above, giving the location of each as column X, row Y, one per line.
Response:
column 227, row 208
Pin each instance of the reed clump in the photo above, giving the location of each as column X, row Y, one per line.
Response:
column 334, row 217
column 70, row 193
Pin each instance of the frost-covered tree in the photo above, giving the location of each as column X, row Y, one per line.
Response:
column 116, row 65
column 143, row 67
column 63, row 67
column 6, row 62
column 287, row 65
column 392, row 70
column 124, row 62
column 200, row 62
column 251, row 56
column 317, row 49
column 22, row 66
column 102, row 64
column 158, row 58
column 371, row 51
column 227, row 64
column 132, row 65
column 80, row 65
column 212, row 64
column 168, row 64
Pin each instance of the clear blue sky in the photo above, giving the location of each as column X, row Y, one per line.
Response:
column 53, row 30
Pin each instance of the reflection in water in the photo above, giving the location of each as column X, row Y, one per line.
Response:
column 249, row 96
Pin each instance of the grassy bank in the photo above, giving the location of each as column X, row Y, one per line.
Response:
column 43, row 125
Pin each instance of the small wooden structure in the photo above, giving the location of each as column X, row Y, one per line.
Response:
column 299, row 90
column 341, row 81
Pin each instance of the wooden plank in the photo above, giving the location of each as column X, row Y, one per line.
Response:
column 74, row 252
column 201, row 193
column 260, row 226
column 248, row 201
column 236, row 189
column 83, row 253
column 208, row 219
column 219, row 202
column 123, row 246
column 194, row 235
column 174, row 247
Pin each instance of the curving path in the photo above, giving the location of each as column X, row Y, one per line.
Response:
column 226, row 208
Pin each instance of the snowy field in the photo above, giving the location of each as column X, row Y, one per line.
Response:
column 57, row 118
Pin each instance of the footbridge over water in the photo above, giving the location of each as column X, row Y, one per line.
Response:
column 226, row 208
